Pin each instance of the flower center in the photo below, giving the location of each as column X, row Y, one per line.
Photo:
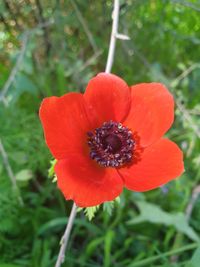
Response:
column 112, row 142
column 111, row 145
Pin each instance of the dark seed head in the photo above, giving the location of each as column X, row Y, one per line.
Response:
column 111, row 145
column 113, row 142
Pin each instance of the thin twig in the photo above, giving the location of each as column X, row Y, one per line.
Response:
column 41, row 25
column 193, row 199
column 184, row 74
column 194, row 112
column 187, row 4
column 10, row 172
column 91, row 60
column 65, row 237
column 186, row 113
column 17, row 66
column 188, row 118
column 174, row 83
column 85, row 26
column 15, row 69
column 7, row 165
column 41, row 19
column 188, row 213
column 113, row 37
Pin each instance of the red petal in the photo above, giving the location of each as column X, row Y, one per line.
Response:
column 109, row 96
column 151, row 113
column 65, row 124
column 160, row 163
column 85, row 182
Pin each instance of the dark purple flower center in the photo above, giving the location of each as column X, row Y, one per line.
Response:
column 111, row 145
column 112, row 142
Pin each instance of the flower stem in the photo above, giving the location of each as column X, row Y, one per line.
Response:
column 113, row 37
column 65, row 237
column 111, row 52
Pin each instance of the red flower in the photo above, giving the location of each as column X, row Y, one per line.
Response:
column 111, row 137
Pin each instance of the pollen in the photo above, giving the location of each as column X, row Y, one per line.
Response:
column 111, row 145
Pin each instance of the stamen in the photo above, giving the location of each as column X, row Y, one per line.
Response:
column 111, row 145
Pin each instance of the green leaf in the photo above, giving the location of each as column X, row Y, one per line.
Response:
column 22, row 84
column 51, row 172
column 93, row 245
column 195, row 260
column 90, row 212
column 109, row 206
column 24, row 175
column 154, row 214
column 107, row 248
column 51, row 225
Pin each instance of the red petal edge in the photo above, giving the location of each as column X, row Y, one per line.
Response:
column 65, row 123
column 151, row 113
column 108, row 97
column 85, row 182
column 160, row 163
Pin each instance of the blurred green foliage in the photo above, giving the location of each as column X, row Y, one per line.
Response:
column 53, row 47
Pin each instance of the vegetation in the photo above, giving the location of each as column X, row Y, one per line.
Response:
column 53, row 47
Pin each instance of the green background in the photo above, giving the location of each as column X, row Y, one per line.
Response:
column 54, row 47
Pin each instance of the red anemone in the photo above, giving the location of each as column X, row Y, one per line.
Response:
column 111, row 137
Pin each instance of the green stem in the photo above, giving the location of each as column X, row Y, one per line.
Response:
column 166, row 254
